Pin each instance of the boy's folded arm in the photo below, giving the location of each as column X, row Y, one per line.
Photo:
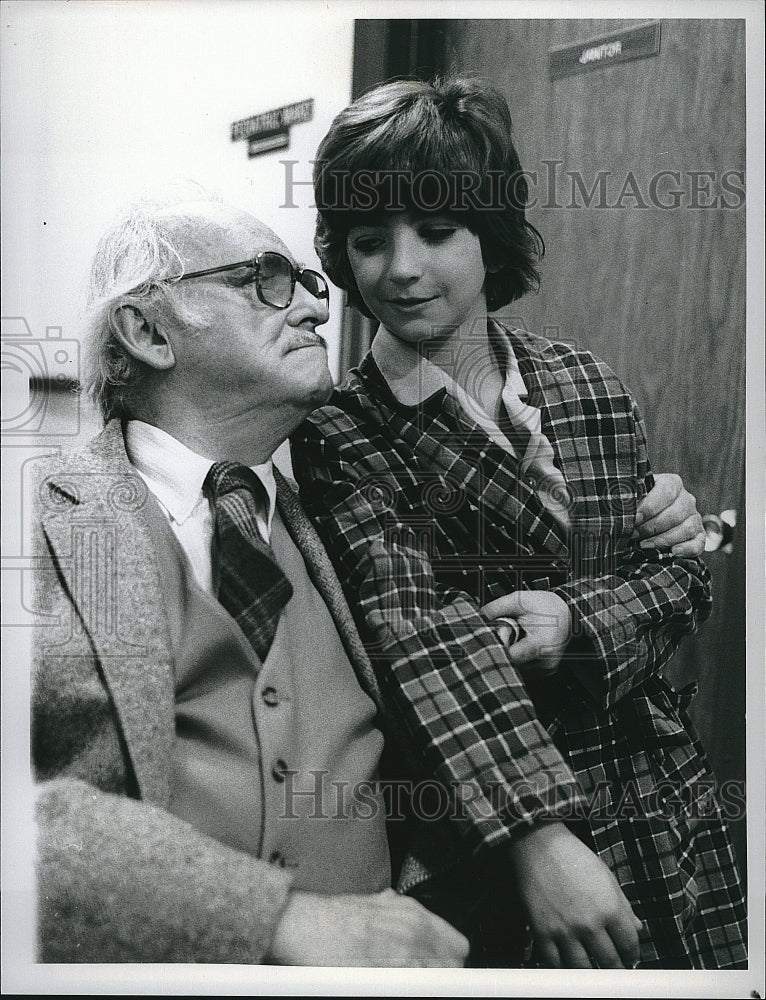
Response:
column 448, row 675
column 629, row 620
column 442, row 666
column 627, row 624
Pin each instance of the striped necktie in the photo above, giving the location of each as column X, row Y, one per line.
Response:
column 247, row 580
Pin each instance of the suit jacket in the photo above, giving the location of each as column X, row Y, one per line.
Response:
column 121, row 878
column 426, row 519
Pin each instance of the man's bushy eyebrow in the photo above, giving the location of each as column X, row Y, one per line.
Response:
column 231, row 277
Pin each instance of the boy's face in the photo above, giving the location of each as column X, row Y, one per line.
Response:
column 418, row 274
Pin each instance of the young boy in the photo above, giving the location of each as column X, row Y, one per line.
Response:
column 477, row 489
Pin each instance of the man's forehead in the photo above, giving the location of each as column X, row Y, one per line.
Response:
column 207, row 234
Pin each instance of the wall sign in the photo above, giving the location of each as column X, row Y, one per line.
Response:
column 271, row 129
column 605, row 50
column 265, row 143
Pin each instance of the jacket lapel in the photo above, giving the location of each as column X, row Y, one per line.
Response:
column 93, row 511
column 326, row 581
column 552, row 391
column 441, row 438
column 559, row 391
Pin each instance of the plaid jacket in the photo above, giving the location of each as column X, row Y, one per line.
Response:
column 426, row 519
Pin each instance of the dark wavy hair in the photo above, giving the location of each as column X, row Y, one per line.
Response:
column 442, row 147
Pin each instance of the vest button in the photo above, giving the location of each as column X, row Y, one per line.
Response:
column 278, row 769
column 277, row 858
column 270, row 696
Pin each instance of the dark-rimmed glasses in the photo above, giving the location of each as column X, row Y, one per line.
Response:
column 274, row 278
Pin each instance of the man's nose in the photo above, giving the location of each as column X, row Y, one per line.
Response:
column 306, row 305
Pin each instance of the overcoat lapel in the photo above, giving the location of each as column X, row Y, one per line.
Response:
column 93, row 512
column 323, row 576
column 434, row 842
column 440, row 437
column 552, row 390
column 597, row 461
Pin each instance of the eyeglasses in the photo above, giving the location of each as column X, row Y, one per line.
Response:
column 274, row 278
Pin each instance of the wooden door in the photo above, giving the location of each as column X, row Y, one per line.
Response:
column 658, row 292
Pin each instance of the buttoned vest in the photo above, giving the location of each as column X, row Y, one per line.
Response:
column 278, row 758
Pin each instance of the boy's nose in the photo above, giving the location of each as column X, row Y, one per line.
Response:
column 405, row 264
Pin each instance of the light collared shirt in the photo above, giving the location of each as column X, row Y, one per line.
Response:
column 413, row 378
column 175, row 475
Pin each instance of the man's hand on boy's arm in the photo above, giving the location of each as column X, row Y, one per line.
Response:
column 667, row 518
column 546, row 626
column 579, row 915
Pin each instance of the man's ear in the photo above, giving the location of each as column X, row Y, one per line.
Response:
column 140, row 336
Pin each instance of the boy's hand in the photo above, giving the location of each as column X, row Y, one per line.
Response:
column 667, row 518
column 546, row 621
column 578, row 913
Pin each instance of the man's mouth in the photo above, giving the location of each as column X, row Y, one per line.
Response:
column 307, row 339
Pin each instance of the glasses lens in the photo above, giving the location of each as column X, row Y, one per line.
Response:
column 275, row 279
column 315, row 284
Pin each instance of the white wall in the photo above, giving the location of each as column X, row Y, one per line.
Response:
column 103, row 100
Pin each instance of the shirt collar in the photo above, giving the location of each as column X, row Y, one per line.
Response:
column 413, row 379
column 175, row 473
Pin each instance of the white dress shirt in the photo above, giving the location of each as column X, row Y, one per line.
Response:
column 175, row 475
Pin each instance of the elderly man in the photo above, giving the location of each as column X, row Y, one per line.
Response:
column 207, row 729
column 168, row 724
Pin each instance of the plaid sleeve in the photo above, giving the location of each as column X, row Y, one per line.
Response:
column 628, row 622
column 441, row 666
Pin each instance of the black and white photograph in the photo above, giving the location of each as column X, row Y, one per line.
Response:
column 383, row 447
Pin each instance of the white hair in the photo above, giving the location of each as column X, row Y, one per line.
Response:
column 135, row 262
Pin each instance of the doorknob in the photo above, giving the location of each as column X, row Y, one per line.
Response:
column 719, row 531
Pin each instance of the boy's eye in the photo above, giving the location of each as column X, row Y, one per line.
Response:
column 367, row 244
column 437, row 234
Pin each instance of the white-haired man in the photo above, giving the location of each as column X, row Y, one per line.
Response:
column 207, row 729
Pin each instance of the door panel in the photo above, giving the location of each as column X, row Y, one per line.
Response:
column 659, row 293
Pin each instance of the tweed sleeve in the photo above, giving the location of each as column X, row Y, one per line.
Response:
column 441, row 665
column 123, row 881
column 120, row 879
column 629, row 621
